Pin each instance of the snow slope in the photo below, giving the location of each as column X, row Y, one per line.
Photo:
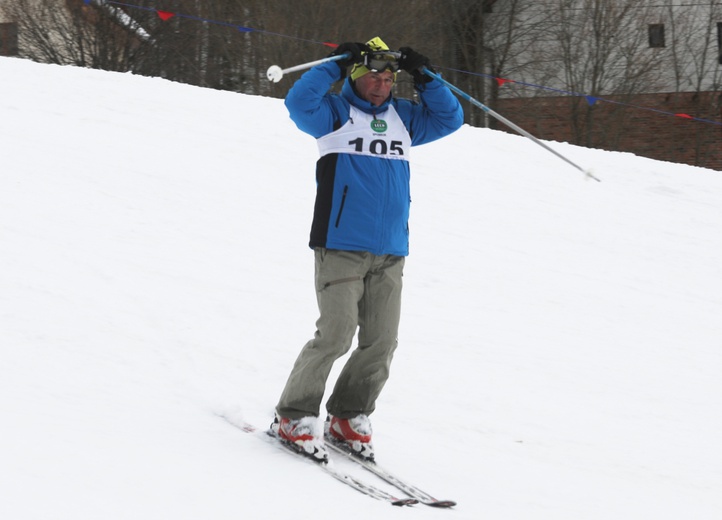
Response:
column 561, row 341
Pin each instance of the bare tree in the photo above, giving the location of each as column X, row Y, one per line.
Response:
column 693, row 48
column 484, row 41
column 226, row 45
column 231, row 44
column 464, row 27
column 693, row 44
column 512, row 31
column 72, row 32
column 595, row 48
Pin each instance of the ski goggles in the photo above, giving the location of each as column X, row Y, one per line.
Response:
column 379, row 61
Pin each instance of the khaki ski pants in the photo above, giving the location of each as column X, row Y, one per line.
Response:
column 354, row 290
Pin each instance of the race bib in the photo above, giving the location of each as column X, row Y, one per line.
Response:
column 383, row 136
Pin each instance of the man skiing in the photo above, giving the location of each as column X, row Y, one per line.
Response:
column 359, row 232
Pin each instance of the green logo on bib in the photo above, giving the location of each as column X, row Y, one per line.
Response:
column 379, row 125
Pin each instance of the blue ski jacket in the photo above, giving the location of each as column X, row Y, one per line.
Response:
column 362, row 194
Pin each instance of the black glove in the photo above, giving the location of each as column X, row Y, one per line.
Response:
column 411, row 61
column 355, row 49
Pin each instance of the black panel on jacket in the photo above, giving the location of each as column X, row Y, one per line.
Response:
column 325, row 179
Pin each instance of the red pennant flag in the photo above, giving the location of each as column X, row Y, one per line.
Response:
column 165, row 15
column 329, row 44
column 684, row 116
column 501, row 81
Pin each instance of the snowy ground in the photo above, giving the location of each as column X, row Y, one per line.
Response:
column 561, row 342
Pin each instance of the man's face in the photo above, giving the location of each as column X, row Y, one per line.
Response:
column 375, row 87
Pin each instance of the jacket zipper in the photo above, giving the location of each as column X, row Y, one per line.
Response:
column 343, row 203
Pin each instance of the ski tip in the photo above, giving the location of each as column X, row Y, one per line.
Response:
column 441, row 504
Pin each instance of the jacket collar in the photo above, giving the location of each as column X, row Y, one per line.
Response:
column 348, row 91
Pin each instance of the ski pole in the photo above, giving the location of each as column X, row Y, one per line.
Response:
column 275, row 73
column 504, row 120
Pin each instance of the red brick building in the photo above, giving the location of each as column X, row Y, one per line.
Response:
column 681, row 127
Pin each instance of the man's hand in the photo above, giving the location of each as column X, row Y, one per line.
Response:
column 412, row 62
column 356, row 50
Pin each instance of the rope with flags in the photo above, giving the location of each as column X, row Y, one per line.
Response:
column 166, row 15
